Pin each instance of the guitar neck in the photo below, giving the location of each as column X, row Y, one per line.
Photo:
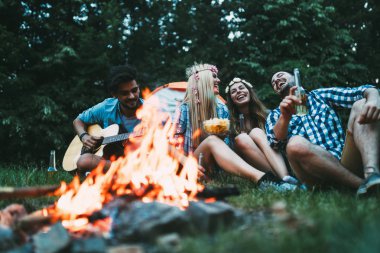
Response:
column 119, row 137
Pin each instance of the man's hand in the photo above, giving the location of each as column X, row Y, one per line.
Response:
column 91, row 142
column 371, row 109
column 287, row 105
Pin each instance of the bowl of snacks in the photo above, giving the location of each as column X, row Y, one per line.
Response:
column 216, row 126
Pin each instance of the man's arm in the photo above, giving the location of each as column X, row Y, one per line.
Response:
column 88, row 140
column 287, row 109
column 371, row 108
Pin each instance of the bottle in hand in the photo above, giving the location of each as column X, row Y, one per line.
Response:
column 300, row 93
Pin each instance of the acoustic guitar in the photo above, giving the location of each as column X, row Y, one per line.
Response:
column 76, row 148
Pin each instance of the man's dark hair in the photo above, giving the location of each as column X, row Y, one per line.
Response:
column 118, row 75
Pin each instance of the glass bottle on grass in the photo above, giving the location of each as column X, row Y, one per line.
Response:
column 52, row 168
column 301, row 95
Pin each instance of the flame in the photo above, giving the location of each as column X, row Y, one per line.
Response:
column 148, row 173
column 197, row 133
column 146, row 93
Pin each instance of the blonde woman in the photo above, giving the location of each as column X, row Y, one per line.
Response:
column 248, row 115
column 200, row 104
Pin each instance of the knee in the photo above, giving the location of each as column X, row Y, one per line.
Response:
column 242, row 141
column 258, row 135
column 357, row 107
column 212, row 140
column 298, row 147
column 84, row 162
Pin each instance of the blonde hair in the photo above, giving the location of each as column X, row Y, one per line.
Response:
column 200, row 97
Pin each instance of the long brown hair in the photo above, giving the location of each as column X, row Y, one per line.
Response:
column 257, row 111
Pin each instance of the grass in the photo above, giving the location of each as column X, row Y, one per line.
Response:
column 30, row 175
column 324, row 221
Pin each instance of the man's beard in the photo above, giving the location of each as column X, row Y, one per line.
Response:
column 285, row 89
column 131, row 107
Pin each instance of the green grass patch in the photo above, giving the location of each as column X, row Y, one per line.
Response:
column 30, row 175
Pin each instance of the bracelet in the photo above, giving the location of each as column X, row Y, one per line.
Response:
column 81, row 136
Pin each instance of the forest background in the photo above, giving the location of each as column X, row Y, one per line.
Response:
column 55, row 54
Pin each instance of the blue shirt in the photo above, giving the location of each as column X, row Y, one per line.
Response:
column 321, row 126
column 183, row 124
column 107, row 113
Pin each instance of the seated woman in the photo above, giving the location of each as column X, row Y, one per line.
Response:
column 200, row 104
column 248, row 116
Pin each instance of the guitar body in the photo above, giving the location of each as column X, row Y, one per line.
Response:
column 74, row 150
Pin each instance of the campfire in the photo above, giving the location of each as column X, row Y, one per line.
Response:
column 152, row 172
column 157, row 176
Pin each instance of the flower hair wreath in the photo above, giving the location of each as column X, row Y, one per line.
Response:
column 237, row 80
column 212, row 68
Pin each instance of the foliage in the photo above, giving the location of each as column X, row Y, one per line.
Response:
column 55, row 54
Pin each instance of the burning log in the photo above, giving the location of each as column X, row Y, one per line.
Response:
column 35, row 191
column 32, row 223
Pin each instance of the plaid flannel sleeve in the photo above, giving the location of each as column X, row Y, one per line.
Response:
column 180, row 124
column 222, row 111
column 342, row 96
column 269, row 125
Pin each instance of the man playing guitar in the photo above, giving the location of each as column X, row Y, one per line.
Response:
column 120, row 110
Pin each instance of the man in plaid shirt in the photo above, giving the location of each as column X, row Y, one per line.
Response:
column 315, row 143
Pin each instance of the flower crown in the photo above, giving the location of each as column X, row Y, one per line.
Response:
column 237, row 80
column 213, row 69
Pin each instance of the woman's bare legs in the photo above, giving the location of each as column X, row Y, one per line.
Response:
column 256, row 151
column 215, row 150
column 275, row 159
column 245, row 146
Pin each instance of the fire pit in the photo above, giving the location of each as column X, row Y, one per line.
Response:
column 149, row 193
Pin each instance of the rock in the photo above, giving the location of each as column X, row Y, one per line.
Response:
column 125, row 249
column 169, row 243
column 89, row 245
column 26, row 248
column 7, row 239
column 209, row 217
column 145, row 221
column 56, row 239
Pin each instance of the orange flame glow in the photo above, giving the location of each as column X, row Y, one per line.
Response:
column 150, row 173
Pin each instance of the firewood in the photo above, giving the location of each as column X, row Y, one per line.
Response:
column 34, row 222
column 35, row 191
column 10, row 214
column 219, row 193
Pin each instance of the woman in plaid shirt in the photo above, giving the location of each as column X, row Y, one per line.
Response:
column 315, row 143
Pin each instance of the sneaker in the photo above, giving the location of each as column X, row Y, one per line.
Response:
column 270, row 181
column 290, row 180
column 278, row 187
column 370, row 186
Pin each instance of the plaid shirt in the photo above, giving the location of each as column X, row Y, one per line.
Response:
column 183, row 124
column 321, row 126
